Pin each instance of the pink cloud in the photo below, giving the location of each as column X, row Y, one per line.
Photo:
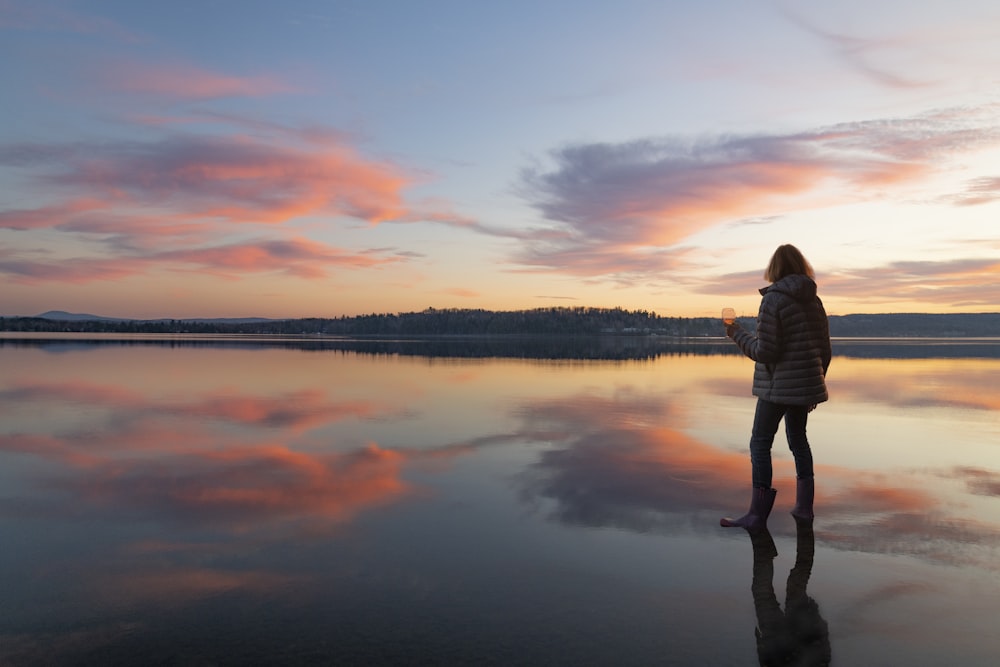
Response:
column 77, row 271
column 978, row 191
column 461, row 292
column 48, row 216
column 298, row 257
column 36, row 17
column 960, row 282
column 613, row 208
column 47, row 447
column 187, row 82
column 171, row 204
column 301, row 258
column 239, row 179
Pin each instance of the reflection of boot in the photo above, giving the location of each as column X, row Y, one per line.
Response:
column 761, row 503
column 805, row 550
column 807, row 627
column 805, row 489
column 774, row 645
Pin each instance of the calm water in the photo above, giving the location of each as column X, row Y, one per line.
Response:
column 226, row 502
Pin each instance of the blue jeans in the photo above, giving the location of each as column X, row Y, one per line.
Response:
column 765, row 425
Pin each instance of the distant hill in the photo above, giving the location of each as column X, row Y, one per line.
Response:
column 63, row 316
column 916, row 325
column 538, row 321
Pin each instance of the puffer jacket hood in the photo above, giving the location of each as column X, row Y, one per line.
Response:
column 791, row 345
column 797, row 286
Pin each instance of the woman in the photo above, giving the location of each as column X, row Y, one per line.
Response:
column 792, row 351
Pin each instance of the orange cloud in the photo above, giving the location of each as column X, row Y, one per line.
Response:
column 240, row 179
column 243, row 486
column 461, row 291
column 301, row 258
column 181, row 584
column 610, row 205
column 297, row 257
column 174, row 203
column 47, row 447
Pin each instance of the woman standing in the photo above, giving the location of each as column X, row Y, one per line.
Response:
column 792, row 351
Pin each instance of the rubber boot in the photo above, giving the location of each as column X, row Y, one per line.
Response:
column 761, row 503
column 805, row 489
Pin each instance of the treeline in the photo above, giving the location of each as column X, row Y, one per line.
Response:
column 432, row 321
column 916, row 325
column 539, row 321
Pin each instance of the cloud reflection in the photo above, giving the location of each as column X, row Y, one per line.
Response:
column 241, row 487
column 608, row 471
column 297, row 410
column 179, row 459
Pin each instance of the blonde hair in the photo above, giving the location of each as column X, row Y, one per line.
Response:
column 787, row 260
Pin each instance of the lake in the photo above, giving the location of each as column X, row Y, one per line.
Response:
column 228, row 501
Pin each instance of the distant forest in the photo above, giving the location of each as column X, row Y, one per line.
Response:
column 539, row 321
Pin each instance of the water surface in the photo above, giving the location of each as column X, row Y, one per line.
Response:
column 234, row 501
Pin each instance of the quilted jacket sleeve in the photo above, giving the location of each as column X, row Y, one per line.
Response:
column 765, row 346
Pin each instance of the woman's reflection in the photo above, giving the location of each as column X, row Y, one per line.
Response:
column 799, row 635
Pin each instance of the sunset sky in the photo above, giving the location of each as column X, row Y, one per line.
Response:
column 237, row 158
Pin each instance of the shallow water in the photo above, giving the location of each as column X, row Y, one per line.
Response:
column 486, row 502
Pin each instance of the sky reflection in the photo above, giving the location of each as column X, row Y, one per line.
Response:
column 196, row 477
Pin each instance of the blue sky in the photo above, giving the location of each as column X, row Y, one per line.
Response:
column 303, row 159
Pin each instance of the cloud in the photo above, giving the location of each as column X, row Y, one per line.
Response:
column 33, row 16
column 461, row 292
column 979, row 480
column 862, row 53
column 75, row 271
column 173, row 204
column 912, row 51
column 959, row 282
column 47, row 447
column 47, row 216
column 187, row 82
column 300, row 258
column 978, row 191
column 233, row 178
column 623, row 209
column 964, row 282
column 297, row 257
column 271, row 176
column 177, row 202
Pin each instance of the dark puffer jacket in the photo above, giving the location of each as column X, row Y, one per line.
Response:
column 792, row 343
